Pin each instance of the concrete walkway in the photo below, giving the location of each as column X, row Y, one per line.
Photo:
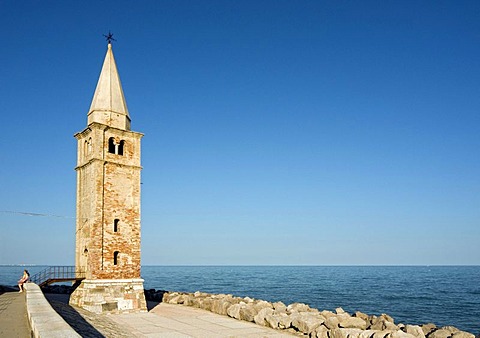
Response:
column 177, row 321
column 13, row 315
column 163, row 321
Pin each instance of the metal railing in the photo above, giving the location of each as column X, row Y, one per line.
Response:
column 55, row 274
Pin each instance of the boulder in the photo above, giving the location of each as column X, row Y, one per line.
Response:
column 362, row 315
column 345, row 333
column 378, row 324
column 272, row 320
column 167, row 295
column 415, row 330
column 401, row 334
column 428, row 328
column 261, row 304
column 353, row 323
column 260, row 317
column 331, row 322
column 451, row 329
column 382, row 333
column 248, row 300
column 387, row 318
column 284, row 321
column 343, row 316
column 207, row 304
column 234, row 311
column 298, row 307
column 177, row 299
column 320, row 332
column 391, row 326
column 383, row 322
column 367, row 334
column 306, row 322
column 327, row 313
column 247, row 312
column 440, row 333
column 200, row 294
column 188, row 300
column 220, row 306
column 462, row 334
column 196, row 302
column 279, row 307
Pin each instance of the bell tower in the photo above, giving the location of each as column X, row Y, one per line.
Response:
column 107, row 245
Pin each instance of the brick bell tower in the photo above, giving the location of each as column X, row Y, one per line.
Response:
column 108, row 202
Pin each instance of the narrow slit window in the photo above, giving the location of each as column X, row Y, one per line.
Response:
column 111, row 145
column 115, row 225
column 115, row 258
column 89, row 146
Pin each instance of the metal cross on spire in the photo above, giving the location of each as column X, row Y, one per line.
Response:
column 109, row 37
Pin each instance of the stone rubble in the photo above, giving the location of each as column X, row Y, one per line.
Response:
column 304, row 321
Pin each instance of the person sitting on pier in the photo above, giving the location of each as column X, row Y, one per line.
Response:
column 23, row 280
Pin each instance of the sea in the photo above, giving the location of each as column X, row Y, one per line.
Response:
column 443, row 295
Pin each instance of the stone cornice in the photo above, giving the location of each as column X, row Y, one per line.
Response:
column 109, row 162
column 83, row 133
column 103, row 127
column 112, row 281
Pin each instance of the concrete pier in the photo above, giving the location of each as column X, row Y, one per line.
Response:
column 29, row 314
column 162, row 321
column 13, row 315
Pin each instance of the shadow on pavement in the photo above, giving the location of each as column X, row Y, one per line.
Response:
column 5, row 288
column 151, row 304
column 60, row 304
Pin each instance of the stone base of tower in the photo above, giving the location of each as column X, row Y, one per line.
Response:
column 110, row 296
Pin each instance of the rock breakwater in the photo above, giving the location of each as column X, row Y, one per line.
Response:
column 304, row 321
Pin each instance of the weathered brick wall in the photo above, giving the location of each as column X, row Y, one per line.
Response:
column 89, row 216
column 108, row 189
column 122, row 192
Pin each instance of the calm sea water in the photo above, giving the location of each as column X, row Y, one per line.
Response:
column 444, row 295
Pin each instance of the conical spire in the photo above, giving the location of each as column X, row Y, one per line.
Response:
column 108, row 105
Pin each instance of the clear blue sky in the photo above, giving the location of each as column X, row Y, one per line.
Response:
column 276, row 132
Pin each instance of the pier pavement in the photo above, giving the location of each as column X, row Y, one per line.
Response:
column 13, row 315
column 162, row 321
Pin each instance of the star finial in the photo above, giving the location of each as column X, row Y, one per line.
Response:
column 109, row 37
